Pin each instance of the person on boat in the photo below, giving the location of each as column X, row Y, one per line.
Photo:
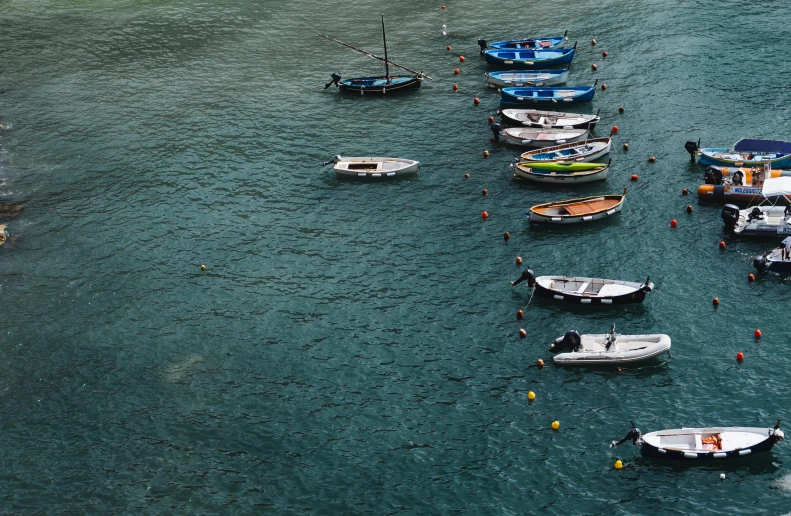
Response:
column 786, row 248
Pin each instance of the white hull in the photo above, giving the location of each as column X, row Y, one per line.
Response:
column 627, row 349
column 548, row 119
column 372, row 167
column 690, row 440
column 592, row 151
column 529, row 137
column 527, row 78
column 774, row 221
column 562, row 178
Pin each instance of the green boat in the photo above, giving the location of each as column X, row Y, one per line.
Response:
column 561, row 172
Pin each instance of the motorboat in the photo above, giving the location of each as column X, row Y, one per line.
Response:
column 548, row 119
column 369, row 167
column 586, row 291
column 777, row 260
column 607, row 349
column 744, row 184
column 715, row 443
column 574, row 211
column 744, row 153
column 766, row 219
column 581, row 152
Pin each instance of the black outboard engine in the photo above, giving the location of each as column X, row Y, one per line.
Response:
column 571, row 341
column 692, row 148
column 336, row 78
column 495, row 128
column 759, row 262
column 646, row 287
column 730, row 215
column 482, row 44
column 634, row 435
column 713, row 176
column 527, row 274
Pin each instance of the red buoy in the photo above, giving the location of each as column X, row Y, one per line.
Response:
column 751, row 277
column 466, row 176
column 651, row 159
column 540, row 363
column 684, row 192
column 634, row 177
column 443, row 6
column 522, row 333
column 740, row 356
column 484, row 215
column 447, row 48
column 594, row 67
column 507, row 235
column 757, row 334
column 476, row 101
column 604, row 54
column 593, row 42
column 614, row 130
column 455, row 87
column 625, row 146
column 457, row 71
column 722, row 244
column 519, row 314
column 518, row 260
column 491, row 119
column 461, row 58
column 485, row 191
column 715, row 301
column 621, row 109
column 486, row 154
column 673, row 223
column 603, row 86
column 689, row 208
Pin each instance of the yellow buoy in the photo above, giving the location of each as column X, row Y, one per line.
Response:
column 531, row 395
column 555, row 425
column 203, row 267
column 618, row 464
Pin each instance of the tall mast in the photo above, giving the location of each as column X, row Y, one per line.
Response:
column 384, row 39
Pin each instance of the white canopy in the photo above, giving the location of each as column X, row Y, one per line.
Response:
column 775, row 186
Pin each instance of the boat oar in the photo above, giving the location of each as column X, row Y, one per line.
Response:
column 374, row 56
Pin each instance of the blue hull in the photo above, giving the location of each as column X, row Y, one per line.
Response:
column 529, row 59
column 529, row 43
column 380, row 85
column 547, row 95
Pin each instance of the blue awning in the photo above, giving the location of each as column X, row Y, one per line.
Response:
column 774, row 146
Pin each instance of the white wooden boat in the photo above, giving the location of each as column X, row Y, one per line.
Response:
column 607, row 349
column 526, row 78
column 561, row 172
column 549, row 119
column 766, row 219
column 716, row 443
column 583, row 152
column 368, row 167
column 586, row 291
column 574, row 211
column 539, row 137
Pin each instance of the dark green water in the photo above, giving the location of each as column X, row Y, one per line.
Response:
column 352, row 347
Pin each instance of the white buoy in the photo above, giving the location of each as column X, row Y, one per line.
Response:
column 444, row 26
column 444, row 33
column 722, row 476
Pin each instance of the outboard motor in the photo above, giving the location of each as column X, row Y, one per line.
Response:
column 634, row 435
column 336, row 78
column 692, row 148
column 713, row 176
column 495, row 128
column 730, row 215
column 646, row 287
column 777, row 433
column 759, row 262
column 527, row 274
column 571, row 341
column 335, row 159
column 482, row 44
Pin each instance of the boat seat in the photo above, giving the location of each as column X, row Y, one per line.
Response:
column 582, row 287
column 698, row 442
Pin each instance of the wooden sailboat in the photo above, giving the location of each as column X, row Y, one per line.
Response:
column 379, row 84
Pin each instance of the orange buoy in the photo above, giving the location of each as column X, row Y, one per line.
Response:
column 518, row 260
column 715, row 301
column 751, row 277
column 540, row 363
column 485, row 191
column 447, row 48
column 522, row 333
column 507, row 235
column 614, row 130
column 484, row 215
column 634, row 177
column 689, row 208
column 651, row 159
column 455, row 87
column 673, row 223
column 684, row 192
column 476, row 101
column 461, row 59
column 594, row 67
column 621, row 109
column 604, row 54
column 466, row 176
column 519, row 314
column 625, row 146
column 757, row 334
column 603, row 86
column 457, row 71
column 722, row 244
column 486, row 154
column 619, row 369
column 443, row 6
column 492, row 140
column 740, row 356
column 491, row 119
column 593, row 42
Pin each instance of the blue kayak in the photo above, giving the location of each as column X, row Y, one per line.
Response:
column 529, row 59
column 548, row 95
column 525, row 43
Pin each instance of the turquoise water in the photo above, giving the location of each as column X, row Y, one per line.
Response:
column 353, row 347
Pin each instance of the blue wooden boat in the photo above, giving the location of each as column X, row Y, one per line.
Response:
column 378, row 84
column 517, row 78
column 529, row 59
column 528, row 43
column 548, row 95
column 744, row 153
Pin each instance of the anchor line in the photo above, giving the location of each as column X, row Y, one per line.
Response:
column 374, row 56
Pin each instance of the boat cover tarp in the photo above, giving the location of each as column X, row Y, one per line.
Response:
column 773, row 146
column 775, row 186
